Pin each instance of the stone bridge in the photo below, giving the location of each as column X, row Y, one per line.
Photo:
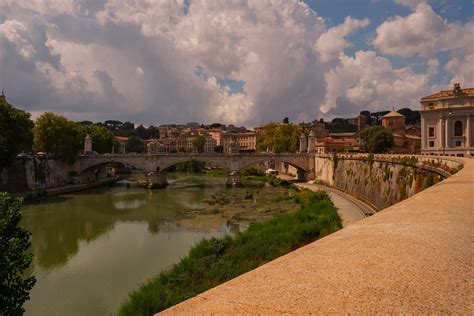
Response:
column 155, row 165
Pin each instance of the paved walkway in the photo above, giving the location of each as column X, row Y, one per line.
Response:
column 350, row 210
column 415, row 257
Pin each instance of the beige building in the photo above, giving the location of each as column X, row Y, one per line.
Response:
column 395, row 122
column 337, row 142
column 243, row 141
column 217, row 135
column 403, row 143
column 447, row 120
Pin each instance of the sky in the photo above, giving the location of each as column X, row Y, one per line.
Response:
column 242, row 62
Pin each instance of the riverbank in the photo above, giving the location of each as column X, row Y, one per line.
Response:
column 32, row 195
column 212, row 262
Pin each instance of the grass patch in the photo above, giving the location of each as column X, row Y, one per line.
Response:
column 214, row 261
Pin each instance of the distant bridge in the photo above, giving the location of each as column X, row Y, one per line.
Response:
column 156, row 165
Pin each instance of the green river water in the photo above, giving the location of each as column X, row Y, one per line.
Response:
column 92, row 248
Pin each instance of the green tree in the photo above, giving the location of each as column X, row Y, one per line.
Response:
column 134, row 145
column 102, row 139
column 340, row 125
column 279, row 138
column 198, row 143
column 14, row 259
column 54, row 134
column 377, row 139
column 286, row 120
column 15, row 133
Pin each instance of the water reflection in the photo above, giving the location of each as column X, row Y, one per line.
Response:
column 96, row 246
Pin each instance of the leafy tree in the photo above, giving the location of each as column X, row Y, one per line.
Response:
column 411, row 117
column 113, row 124
column 279, row 138
column 57, row 135
column 85, row 123
column 153, row 132
column 286, row 120
column 340, row 125
column 14, row 259
column 127, row 126
column 15, row 133
column 134, row 144
column 141, row 132
column 102, row 139
column 219, row 149
column 377, row 139
column 198, row 143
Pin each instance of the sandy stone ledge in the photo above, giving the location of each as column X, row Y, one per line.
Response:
column 414, row 257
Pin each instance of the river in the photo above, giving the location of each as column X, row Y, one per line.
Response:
column 92, row 248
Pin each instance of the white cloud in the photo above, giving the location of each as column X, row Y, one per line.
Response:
column 266, row 44
column 423, row 32
column 333, row 42
column 135, row 60
column 409, row 3
column 462, row 70
column 17, row 34
column 432, row 64
column 369, row 82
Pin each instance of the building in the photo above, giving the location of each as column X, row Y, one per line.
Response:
column 447, row 123
column 210, row 144
column 403, row 143
column 217, row 135
column 243, row 141
column 359, row 121
column 395, row 122
column 337, row 142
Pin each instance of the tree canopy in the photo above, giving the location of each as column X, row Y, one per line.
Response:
column 198, row 143
column 54, row 134
column 340, row 125
column 134, row 145
column 14, row 259
column 279, row 138
column 15, row 133
column 102, row 139
column 377, row 139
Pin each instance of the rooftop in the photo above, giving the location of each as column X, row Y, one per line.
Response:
column 393, row 114
column 447, row 94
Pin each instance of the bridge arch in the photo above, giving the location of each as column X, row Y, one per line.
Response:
column 295, row 163
column 98, row 163
column 215, row 161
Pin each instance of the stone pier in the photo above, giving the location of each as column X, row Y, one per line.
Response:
column 233, row 180
column 156, row 180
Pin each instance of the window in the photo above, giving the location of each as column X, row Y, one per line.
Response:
column 431, row 131
column 458, row 128
column 458, row 143
column 431, row 144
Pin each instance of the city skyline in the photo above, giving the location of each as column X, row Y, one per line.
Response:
column 242, row 63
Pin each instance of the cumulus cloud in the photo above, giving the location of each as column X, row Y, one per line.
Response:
column 409, row 3
column 369, row 82
column 462, row 70
column 423, row 32
column 333, row 42
column 136, row 60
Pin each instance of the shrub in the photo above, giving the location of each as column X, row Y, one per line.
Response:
column 214, row 261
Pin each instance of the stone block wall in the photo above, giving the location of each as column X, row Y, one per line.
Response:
column 381, row 182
